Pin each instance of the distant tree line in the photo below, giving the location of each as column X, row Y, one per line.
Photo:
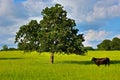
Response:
column 89, row 48
column 5, row 48
column 107, row 44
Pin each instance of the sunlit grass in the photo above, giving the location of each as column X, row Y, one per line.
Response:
column 16, row 65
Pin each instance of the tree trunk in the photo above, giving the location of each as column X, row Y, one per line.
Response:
column 52, row 58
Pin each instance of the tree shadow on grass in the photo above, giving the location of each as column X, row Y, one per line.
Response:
column 86, row 62
column 76, row 62
column 10, row 58
column 115, row 62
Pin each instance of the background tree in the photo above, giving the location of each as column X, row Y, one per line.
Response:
column 115, row 44
column 54, row 33
column 4, row 48
column 89, row 48
column 105, row 45
column 12, row 49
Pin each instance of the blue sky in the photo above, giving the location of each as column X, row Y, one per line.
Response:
column 96, row 19
column 19, row 0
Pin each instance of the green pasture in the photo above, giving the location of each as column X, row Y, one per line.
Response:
column 17, row 65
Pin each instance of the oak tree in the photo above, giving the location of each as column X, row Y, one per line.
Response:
column 54, row 33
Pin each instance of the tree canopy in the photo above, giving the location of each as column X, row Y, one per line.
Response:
column 4, row 48
column 27, row 36
column 54, row 33
column 113, row 44
column 104, row 45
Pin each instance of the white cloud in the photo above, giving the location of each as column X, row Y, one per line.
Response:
column 13, row 15
column 104, row 9
column 78, row 9
column 91, row 10
column 5, row 6
column 35, row 7
column 9, row 41
column 118, row 35
column 92, row 37
column 7, row 31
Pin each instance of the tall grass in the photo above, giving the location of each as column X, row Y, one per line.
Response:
column 16, row 65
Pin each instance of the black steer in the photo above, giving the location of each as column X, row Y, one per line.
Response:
column 99, row 61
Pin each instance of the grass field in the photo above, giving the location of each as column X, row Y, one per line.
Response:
column 16, row 65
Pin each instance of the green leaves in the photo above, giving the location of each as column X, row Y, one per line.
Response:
column 27, row 36
column 113, row 44
column 55, row 33
column 105, row 45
